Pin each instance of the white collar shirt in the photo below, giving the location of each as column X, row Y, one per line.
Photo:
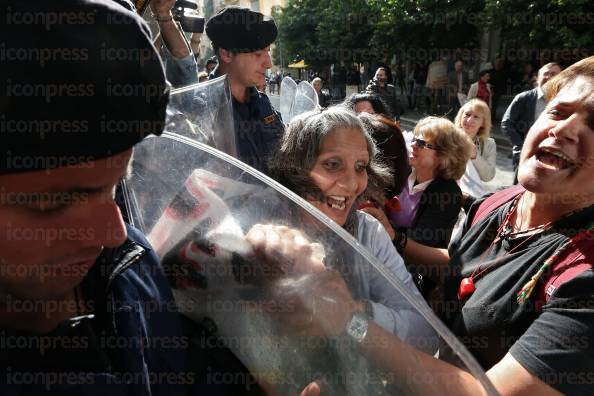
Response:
column 412, row 188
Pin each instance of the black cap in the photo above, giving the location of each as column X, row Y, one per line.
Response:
column 240, row 29
column 80, row 80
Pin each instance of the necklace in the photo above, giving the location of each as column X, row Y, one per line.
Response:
column 505, row 231
column 528, row 288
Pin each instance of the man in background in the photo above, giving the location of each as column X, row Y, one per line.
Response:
column 524, row 109
column 379, row 85
column 458, row 84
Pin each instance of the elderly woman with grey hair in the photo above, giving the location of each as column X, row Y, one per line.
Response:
column 329, row 159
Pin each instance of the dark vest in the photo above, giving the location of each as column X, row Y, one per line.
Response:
column 258, row 129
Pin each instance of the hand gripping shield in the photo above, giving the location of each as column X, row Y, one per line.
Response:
column 276, row 312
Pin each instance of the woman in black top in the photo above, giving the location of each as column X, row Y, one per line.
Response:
column 431, row 199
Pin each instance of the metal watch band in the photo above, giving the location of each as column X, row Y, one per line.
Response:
column 368, row 309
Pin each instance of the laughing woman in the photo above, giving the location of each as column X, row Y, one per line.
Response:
column 329, row 159
column 520, row 282
column 475, row 119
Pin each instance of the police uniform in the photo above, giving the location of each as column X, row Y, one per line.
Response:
column 258, row 126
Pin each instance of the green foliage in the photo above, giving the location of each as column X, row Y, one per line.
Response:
column 546, row 24
column 297, row 29
column 326, row 31
column 428, row 24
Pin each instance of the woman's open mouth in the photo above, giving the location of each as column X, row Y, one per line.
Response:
column 337, row 202
column 553, row 159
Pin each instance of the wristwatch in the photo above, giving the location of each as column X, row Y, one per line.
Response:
column 357, row 327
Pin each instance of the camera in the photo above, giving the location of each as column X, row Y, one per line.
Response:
column 190, row 22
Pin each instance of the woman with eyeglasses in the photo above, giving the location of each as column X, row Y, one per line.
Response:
column 431, row 198
column 428, row 206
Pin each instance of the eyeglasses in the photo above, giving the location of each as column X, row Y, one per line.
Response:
column 420, row 143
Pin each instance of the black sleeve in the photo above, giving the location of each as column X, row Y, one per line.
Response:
column 558, row 347
column 514, row 123
column 440, row 205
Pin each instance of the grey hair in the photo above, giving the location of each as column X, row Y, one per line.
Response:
column 301, row 144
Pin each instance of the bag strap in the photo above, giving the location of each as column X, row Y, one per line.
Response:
column 574, row 263
column 494, row 201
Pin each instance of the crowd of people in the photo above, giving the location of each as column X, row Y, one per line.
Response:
column 487, row 81
column 509, row 271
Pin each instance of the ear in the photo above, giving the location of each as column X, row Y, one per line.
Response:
column 225, row 56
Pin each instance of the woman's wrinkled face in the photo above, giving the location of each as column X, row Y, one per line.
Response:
column 364, row 107
column 340, row 172
column 424, row 159
column 558, row 153
column 472, row 121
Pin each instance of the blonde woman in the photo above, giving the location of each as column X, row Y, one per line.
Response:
column 431, row 199
column 475, row 119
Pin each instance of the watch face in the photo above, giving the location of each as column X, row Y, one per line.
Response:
column 357, row 327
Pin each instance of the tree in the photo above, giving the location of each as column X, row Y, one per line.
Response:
column 546, row 30
column 297, row 29
column 326, row 31
column 280, row 55
column 425, row 29
column 345, row 31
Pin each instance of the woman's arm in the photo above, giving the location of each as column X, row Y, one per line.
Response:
column 413, row 251
column 429, row 257
column 170, row 32
column 390, row 309
column 441, row 378
column 413, row 371
column 485, row 161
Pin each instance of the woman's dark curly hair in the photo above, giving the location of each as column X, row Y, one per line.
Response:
column 393, row 152
column 300, row 147
column 378, row 104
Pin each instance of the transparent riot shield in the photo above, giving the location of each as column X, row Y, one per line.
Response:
column 288, row 90
column 204, row 213
column 306, row 99
column 204, row 112
column 296, row 98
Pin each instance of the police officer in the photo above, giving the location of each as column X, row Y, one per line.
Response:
column 241, row 41
column 81, row 85
column 85, row 307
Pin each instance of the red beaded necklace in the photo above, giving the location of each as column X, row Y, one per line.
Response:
column 504, row 231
